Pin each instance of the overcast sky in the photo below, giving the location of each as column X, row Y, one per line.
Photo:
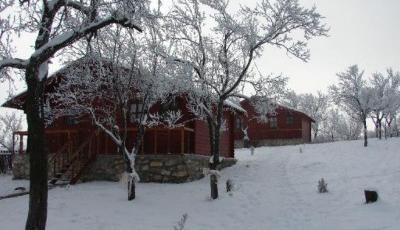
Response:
column 363, row 32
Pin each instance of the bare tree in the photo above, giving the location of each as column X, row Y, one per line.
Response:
column 116, row 84
column 9, row 123
column 219, row 57
column 291, row 99
column 353, row 96
column 386, row 99
column 58, row 24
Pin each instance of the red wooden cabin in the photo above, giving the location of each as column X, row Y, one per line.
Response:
column 285, row 126
column 75, row 145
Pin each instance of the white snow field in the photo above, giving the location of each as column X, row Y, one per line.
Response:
column 274, row 189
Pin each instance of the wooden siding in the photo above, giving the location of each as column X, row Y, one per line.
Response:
column 202, row 141
column 291, row 124
column 306, row 130
column 160, row 141
column 156, row 140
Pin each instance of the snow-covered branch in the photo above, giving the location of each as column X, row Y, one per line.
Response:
column 13, row 63
column 50, row 48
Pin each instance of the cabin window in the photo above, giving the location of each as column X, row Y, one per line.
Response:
column 69, row 120
column 136, row 110
column 273, row 122
column 238, row 123
column 289, row 120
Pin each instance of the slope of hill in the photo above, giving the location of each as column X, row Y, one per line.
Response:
column 276, row 188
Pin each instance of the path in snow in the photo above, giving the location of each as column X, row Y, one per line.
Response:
column 266, row 187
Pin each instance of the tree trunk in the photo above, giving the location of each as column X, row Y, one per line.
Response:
column 131, row 181
column 214, row 147
column 129, row 169
column 214, row 144
column 380, row 129
column 385, row 131
column 37, row 151
column 365, row 132
column 131, row 189
column 214, row 186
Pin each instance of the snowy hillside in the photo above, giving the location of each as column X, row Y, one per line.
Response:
column 274, row 189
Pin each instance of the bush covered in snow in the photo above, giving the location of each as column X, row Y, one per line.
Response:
column 322, row 186
column 181, row 223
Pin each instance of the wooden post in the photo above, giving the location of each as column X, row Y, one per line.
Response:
column 188, row 142
column 182, row 140
column 89, row 153
column 21, row 143
column 69, row 146
column 168, row 134
column 106, row 142
column 155, row 141
column 13, row 144
column 142, row 143
column 98, row 137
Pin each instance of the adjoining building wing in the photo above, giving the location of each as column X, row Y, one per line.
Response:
column 284, row 126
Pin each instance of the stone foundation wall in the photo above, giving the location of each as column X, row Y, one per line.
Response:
column 174, row 168
column 105, row 167
column 270, row 142
column 151, row 168
column 20, row 167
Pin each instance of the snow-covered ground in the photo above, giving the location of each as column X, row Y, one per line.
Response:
column 274, row 189
column 7, row 185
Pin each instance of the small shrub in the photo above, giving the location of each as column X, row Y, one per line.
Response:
column 181, row 223
column 252, row 150
column 229, row 185
column 322, row 186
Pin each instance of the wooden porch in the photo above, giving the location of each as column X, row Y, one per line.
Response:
column 72, row 151
column 153, row 141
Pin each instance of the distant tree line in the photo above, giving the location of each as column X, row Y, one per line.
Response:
column 343, row 112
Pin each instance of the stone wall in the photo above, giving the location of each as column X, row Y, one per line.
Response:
column 153, row 168
column 105, row 167
column 271, row 142
column 174, row 168
column 20, row 167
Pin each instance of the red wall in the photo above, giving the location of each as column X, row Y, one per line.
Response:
column 168, row 141
column 202, row 142
column 257, row 130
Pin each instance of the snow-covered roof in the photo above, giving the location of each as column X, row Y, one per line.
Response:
column 299, row 111
column 235, row 106
column 289, row 108
column 15, row 101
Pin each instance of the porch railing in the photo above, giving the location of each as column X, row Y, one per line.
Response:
column 5, row 161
